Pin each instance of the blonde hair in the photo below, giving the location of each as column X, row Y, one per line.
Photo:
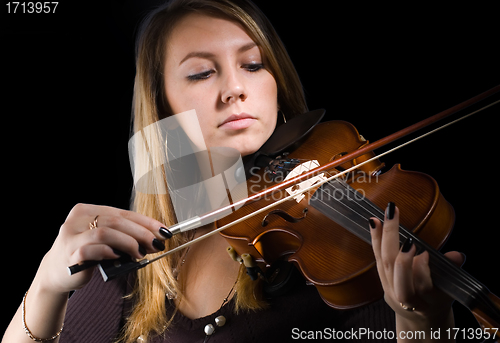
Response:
column 149, row 315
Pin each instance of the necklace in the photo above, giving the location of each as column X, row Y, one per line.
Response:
column 176, row 270
column 220, row 321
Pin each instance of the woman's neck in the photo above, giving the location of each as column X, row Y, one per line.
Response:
column 206, row 276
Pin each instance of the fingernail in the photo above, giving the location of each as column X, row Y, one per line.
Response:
column 165, row 232
column 158, row 244
column 391, row 208
column 372, row 223
column 142, row 251
column 407, row 245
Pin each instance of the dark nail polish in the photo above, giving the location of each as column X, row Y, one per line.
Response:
column 158, row 244
column 391, row 208
column 142, row 251
column 407, row 245
column 165, row 232
column 372, row 223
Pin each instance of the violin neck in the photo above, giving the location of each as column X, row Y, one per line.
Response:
column 353, row 211
column 460, row 285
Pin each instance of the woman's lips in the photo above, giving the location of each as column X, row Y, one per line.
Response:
column 238, row 121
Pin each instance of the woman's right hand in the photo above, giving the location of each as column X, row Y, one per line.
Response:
column 126, row 231
column 45, row 303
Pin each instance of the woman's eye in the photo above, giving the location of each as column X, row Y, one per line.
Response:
column 253, row 67
column 201, row 76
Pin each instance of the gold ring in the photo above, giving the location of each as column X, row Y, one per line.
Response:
column 407, row 308
column 93, row 225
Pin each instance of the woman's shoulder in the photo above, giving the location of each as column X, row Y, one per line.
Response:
column 95, row 313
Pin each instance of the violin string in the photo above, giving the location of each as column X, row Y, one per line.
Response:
column 319, row 183
column 363, row 227
column 378, row 215
column 405, row 234
column 454, row 272
column 469, row 286
column 219, row 229
column 467, row 283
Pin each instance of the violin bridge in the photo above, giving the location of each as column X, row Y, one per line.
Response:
column 297, row 188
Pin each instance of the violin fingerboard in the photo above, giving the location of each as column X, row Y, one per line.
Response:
column 346, row 207
column 350, row 209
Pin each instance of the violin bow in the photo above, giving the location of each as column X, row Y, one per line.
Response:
column 112, row 268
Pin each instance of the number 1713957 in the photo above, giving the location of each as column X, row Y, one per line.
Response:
column 31, row 7
column 477, row 333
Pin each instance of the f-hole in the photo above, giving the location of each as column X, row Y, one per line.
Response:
column 284, row 215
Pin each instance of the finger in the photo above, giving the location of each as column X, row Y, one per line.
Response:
column 404, row 290
column 112, row 238
column 457, row 258
column 89, row 213
column 92, row 252
column 390, row 239
column 142, row 235
column 376, row 237
column 422, row 272
column 422, row 276
column 151, row 224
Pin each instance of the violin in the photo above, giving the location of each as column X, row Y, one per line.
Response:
column 310, row 200
column 325, row 234
column 324, row 231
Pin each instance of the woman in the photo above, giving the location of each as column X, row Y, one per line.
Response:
column 224, row 60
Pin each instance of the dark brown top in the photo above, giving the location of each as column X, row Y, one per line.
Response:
column 96, row 313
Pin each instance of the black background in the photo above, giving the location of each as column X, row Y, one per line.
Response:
column 67, row 90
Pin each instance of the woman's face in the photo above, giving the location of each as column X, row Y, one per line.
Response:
column 215, row 68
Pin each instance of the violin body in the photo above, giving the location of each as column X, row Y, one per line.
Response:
column 337, row 262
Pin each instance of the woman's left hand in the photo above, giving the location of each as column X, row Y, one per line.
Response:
column 406, row 278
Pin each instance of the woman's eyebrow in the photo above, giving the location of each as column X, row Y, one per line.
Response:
column 201, row 54
column 247, row 46
column 206, row 54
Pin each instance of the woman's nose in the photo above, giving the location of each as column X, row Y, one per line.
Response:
column 233, row 88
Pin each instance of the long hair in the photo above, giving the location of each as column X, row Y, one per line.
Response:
column 149, row 315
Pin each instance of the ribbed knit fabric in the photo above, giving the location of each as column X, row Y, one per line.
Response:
column 95, row 314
